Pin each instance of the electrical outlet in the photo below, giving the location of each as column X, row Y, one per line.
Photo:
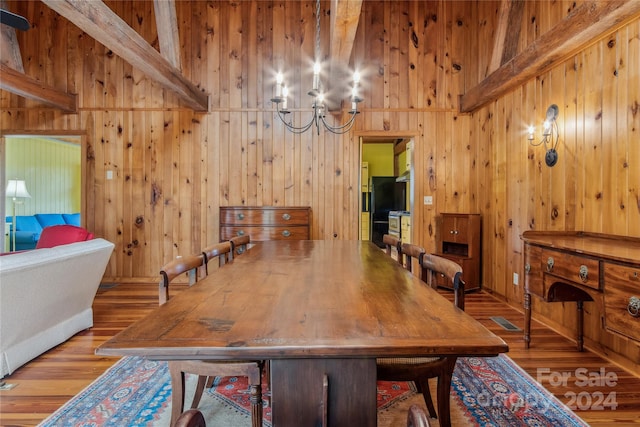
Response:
column 428, row 200
column 109, row 174
column 516, row 279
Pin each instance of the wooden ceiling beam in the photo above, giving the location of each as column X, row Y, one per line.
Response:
column 20, row 84
column 507, row 35
column 345, row 15
column 96, row 19
column 168, row 36
column 587, row 23
column 9, row 48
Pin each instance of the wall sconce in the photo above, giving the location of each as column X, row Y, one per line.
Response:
column 550, row 136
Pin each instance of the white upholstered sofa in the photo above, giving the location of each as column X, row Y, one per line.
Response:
column 46, row 297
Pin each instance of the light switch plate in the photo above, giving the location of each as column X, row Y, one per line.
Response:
column 428, row 200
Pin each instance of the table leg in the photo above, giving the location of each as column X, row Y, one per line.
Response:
column 342, row 392
column 444, row 393
column 527, row 319
column 580, row 313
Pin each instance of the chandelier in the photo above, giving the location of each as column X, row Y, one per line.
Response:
column 317, row 93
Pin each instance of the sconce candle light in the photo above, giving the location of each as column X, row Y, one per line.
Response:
column 550, row 136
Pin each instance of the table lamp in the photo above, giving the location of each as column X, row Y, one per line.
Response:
column 16, row 189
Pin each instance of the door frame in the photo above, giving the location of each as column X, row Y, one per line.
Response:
column 63, row 135
column 380, row 136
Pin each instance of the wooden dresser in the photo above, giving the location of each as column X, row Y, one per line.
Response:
column 265, row 223
column 579, row 266
column 458, row 239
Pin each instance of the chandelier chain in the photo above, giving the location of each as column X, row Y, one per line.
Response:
column 317, row 52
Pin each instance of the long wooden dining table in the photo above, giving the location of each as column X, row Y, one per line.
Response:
column 321, row 311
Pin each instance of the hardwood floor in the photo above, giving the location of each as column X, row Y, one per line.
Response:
column 49, row 381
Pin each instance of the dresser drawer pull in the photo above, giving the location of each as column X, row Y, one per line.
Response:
column 527, row 268
column 550, row 263
column 240, row 216
column 634, row 306
column 286, row 216
column 286, row 233
column 240, row 233
column 584, row 273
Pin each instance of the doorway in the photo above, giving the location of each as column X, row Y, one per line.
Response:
column 49, row 171
column 386, row 183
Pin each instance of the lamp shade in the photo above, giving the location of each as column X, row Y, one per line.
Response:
column 17, row 188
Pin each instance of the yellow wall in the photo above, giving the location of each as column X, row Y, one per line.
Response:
column 51, row 169
column 380, row 159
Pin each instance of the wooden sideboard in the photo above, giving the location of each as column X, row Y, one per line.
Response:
column 580, row 266
column 265, row 223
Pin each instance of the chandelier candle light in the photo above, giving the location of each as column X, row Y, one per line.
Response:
column 318, row 117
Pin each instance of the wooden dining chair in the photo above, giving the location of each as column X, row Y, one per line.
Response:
column 239, row 245
column 191, row 418
column 417, row 417
column 420, row 369
column 391, row 244
column 205, row 369
column 410, row 252
column 222, row 251
column 188, row 264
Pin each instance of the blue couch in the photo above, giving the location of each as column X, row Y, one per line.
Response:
column 29, row 227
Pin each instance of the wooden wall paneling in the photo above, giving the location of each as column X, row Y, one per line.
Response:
column 167, row 165
column 441, row 64
column 633, row 125
column 612, row 167
column 455, row 55
column 426, row 160
column 430, row 51
column 487, row 152
column 569, row 142
column 136, row 139
column 515, row 200
column 556, row 209
column 393, row 25
column 211, row 52
column 580, row 145
column 593, row 209
column 500, row 194
column 122, row 139
column 154, row 194
column 415, row 38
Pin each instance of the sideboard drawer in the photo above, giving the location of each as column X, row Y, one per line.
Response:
column 260, row 233
column 622, row 283
column 259, row 216
column 576, row 268
column 265, row 222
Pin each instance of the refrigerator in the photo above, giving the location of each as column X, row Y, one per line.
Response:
column 385, row 195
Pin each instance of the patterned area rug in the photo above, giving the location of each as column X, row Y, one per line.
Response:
column 485, row 392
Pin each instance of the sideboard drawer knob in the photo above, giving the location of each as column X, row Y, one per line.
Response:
column 286, row 233
column 584, row 273
column 286, row 216
column 634, row 306
column 550, row 263
column 240, row 233
column 241, row 216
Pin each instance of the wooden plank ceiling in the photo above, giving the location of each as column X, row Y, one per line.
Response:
column 581, row 27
